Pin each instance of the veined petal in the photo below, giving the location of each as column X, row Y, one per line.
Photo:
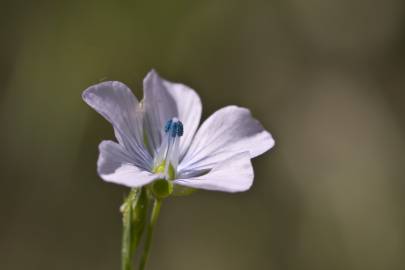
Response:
column 115, row 165
column 189, row 110
column 234, row 174
column 164, row 100
column 116, row 102
column 159, row 107
column 228, row 131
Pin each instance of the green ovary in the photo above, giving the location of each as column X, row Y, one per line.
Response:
column 162, row 188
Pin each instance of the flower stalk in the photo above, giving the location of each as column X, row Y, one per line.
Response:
column 134, row 211
column 148, row 241
column 126, row 254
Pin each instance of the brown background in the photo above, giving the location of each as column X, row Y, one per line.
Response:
column 326, row 78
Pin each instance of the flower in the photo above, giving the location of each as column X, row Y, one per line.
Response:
column 158, row 138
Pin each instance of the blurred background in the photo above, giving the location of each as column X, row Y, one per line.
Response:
column 326, row 78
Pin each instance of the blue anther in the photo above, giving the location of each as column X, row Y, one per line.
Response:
column 168, row 125
column 179, row 129
column 174, row 129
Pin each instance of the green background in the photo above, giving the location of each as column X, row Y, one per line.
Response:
column 326, row 78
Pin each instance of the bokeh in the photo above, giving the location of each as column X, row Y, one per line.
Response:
column 326, row 78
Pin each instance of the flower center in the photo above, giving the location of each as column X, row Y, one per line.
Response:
column 168, row 155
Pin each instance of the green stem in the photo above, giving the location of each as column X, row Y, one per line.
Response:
column 154, row 216
column 126, row 252
column 134, row 211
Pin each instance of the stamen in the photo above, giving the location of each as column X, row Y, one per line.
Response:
column 168, row 125
column 169, row 152
column 179, row 129
column 174, row 129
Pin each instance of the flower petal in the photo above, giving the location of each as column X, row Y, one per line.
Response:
column 116, row 102
column 159, row 108
column 164, row 100
column 115, row 165
column 189, row 109
column 234, row 174
column 228, row 131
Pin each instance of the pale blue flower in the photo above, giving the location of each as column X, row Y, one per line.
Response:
column 158, row 138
